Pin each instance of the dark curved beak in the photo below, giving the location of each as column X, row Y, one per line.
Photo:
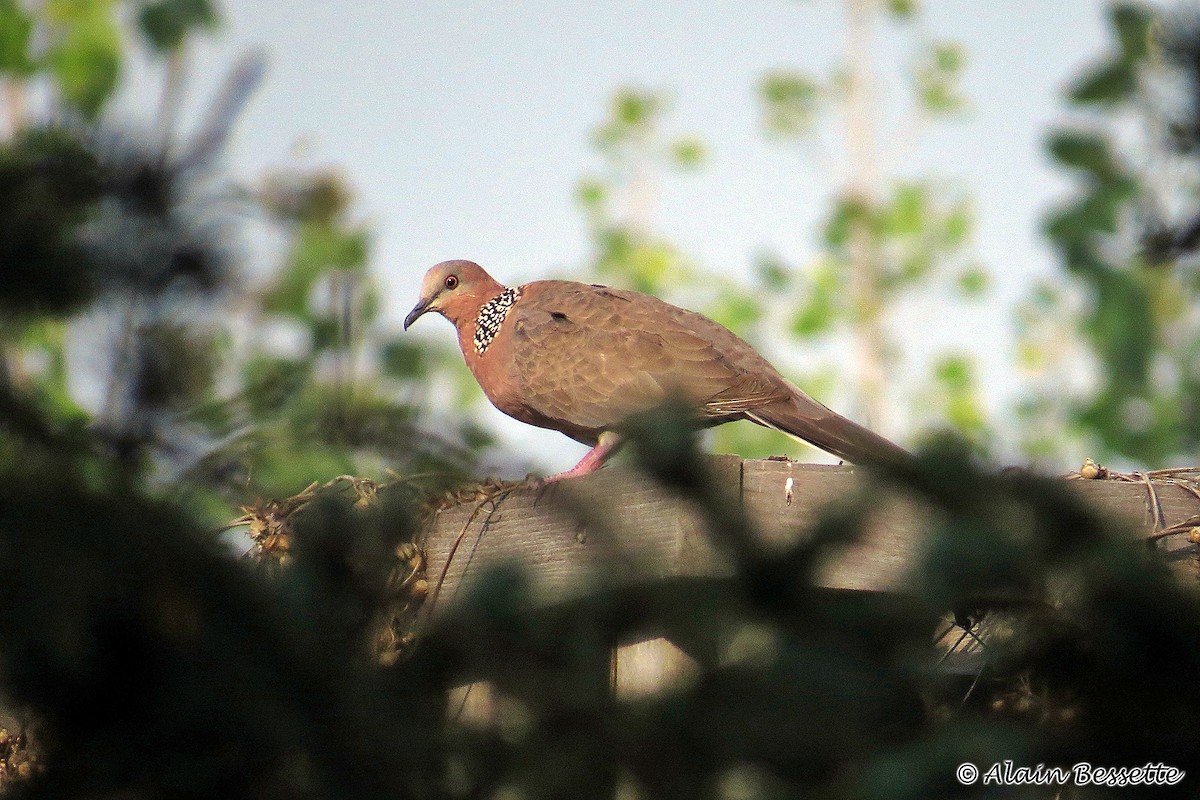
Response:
column 419, row 309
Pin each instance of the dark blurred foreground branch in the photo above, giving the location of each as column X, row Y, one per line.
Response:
column 155, row 662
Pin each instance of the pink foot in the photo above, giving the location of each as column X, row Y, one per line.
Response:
column 609, row 443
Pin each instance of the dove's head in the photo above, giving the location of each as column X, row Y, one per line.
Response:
column 456, row 290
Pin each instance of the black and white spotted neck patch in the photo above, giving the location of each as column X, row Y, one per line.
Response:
column 491, row 317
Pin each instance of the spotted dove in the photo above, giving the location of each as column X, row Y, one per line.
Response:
column 580, row 358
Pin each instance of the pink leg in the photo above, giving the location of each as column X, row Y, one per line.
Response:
column 609, row 443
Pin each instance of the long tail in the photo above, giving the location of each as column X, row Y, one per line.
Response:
column 806, row 419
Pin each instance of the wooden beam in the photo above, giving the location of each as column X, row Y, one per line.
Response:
column 619, row 522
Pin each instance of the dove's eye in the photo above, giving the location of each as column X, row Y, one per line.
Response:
column 451, row 281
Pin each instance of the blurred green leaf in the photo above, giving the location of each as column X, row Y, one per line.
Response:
column 772, row 272
column 948, row 57
column 633, row 114
column 958, row 224
column 917, row 264
column 176, row 366
column 820, row 308
column 907, row 215
column 688, row 152
column 1099, row 211
column 319, row 198
column 1123, row 327
column 368, row 302
column 476, row 437
column 326, row 333
column 318, row 250
column 16, row 28
column 1132, row 24
column 591, row 194
column 974, row 281
column 790, row 102
column 166, row 23
column 334, row 248
column 1045, row 296
column 85, row 53
column 634, row 108
column 736, row 310
column 753, row 441
column 269, row 384
column 954, row 372
column 847, row 212
column 937, row 76
column 1082, row 150
column 1108, row 84
column 403, row 359
column 50, row 179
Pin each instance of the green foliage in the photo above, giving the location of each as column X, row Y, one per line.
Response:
column 48, row 181
column 166, row 23
column 884, row 239
column 404, row 359
column 85, row 54
column 16, row 31
column 289, row 421
column 122, row 604
column 1114, row 80
column 790, row 103
column 318, row 249
column 1108, row 84
column 688, row 152
column 960, row 401
column 937, row 76
column 824, row 304
column 591, row 195
column 633, row 115
column 324, row 242
column 346, row 400
column 1112, row 243
column 974, row 281
column 772, row 273
column 158, row 664
column 630, row 139
column 96, row 223
column 1083, row 151
column 903, row 9
column 1133, row 25
column 176, row 366
column 920, row 228
column 615, row 202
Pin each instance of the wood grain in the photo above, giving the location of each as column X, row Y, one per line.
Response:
column 619, row 525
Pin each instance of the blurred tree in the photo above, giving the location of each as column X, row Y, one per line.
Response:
column 619, row 202
column 324, row 390
column 1112, row 349
column 886, row 239
column 135, row 242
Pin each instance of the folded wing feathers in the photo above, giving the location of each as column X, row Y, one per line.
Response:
column 588, row 361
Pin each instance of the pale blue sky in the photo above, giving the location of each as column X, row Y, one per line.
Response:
column 464, row 127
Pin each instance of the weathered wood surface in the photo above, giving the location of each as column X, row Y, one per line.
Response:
column 618, row 522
